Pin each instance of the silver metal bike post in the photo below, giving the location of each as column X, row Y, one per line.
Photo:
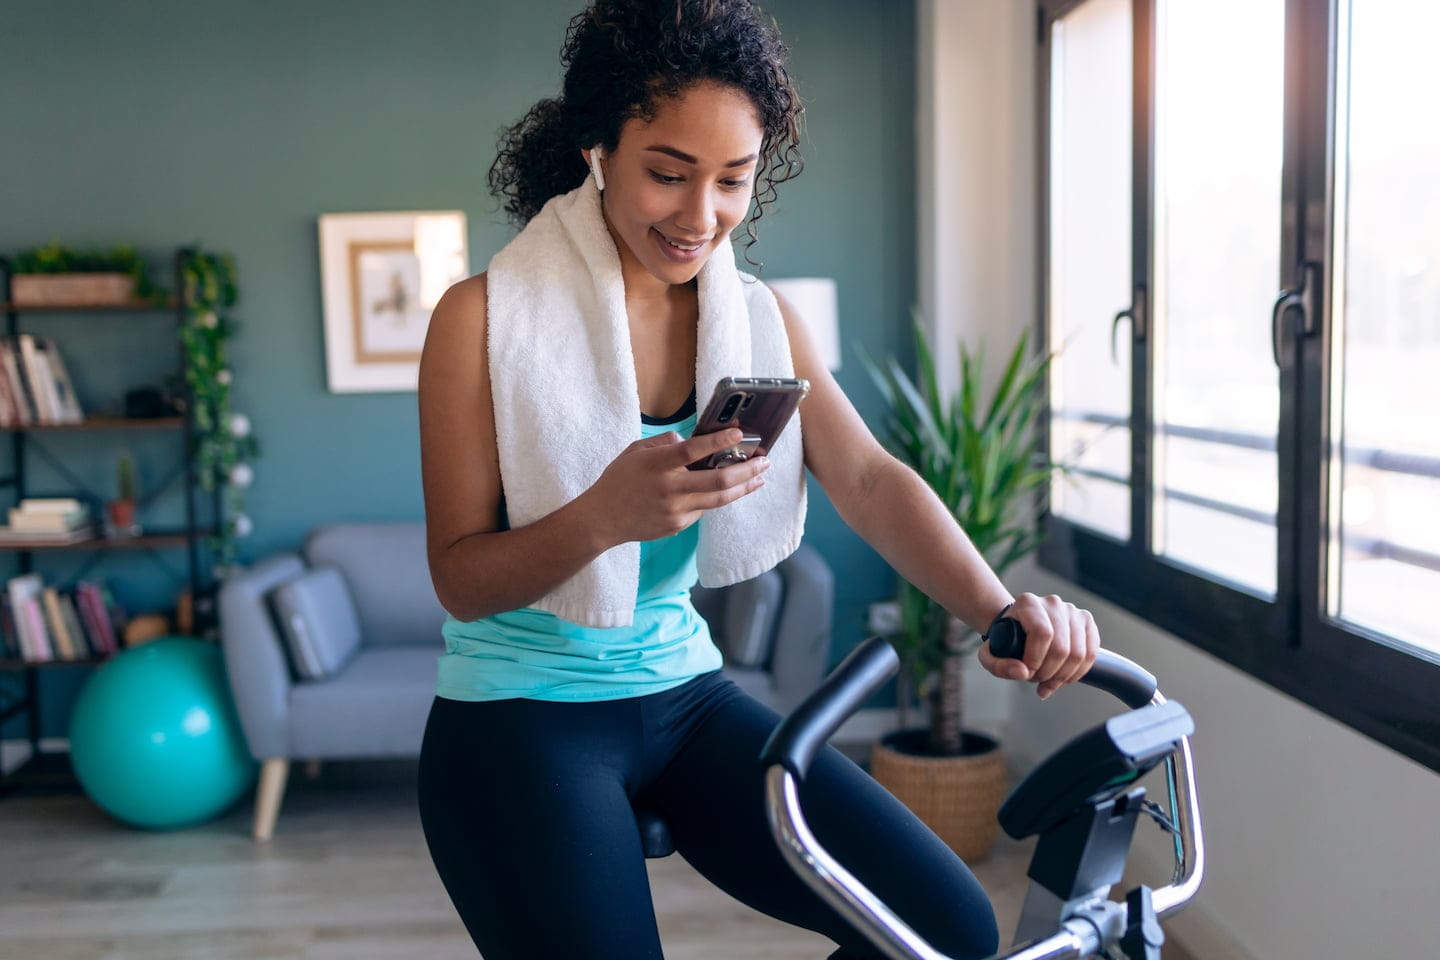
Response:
column 835, row 885
column 1171, row 898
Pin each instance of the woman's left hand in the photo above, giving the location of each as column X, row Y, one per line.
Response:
column 1061, row 642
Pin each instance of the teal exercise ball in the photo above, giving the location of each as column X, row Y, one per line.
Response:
column 154, row 737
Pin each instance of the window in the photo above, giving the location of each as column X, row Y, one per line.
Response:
column 1241, row 242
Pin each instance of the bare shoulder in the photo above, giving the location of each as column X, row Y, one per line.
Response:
column 802, row 349
column 840, row 450
column 462, row 308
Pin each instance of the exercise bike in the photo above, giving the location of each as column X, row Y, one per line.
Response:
column 1082, row 803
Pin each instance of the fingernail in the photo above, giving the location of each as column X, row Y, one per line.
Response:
column 764, row 463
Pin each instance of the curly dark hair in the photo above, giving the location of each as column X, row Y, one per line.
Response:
column 621, row 59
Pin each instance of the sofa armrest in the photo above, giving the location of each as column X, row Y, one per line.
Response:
column 255, row 661
column 802, row 635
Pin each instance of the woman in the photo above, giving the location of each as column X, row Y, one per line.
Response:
column 564, row 536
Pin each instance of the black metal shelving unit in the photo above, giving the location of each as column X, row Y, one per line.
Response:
column 39, row 767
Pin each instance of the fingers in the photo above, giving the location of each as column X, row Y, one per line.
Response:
column 716, row 488
column 666, row 439
column 697, row 448
column 1005, row 668
column 1057, row 653
column 1061, row 643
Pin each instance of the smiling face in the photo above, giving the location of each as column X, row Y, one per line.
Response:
column 677, row 185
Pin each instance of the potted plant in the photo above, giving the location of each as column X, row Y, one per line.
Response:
column 121, row 511
column 981, row 459
column 54, row 275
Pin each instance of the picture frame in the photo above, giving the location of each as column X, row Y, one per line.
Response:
column 381, row 276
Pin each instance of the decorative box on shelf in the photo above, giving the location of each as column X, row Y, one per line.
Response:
column 71, row 289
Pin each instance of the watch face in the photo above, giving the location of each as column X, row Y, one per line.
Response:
column 1005, row 637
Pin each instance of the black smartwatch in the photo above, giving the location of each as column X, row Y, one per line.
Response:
column 1003, row 634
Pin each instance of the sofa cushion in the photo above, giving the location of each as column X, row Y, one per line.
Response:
column 389, row 576
column 318, row 620
column 375, row 708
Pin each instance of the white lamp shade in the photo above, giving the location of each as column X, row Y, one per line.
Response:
column 814, row 299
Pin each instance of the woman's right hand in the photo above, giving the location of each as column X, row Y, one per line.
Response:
column 648, row 492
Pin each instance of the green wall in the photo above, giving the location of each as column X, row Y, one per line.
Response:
column 235, row 125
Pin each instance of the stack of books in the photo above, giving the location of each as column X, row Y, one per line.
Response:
column 35, row 386
column 41, row 623
column 52, row 520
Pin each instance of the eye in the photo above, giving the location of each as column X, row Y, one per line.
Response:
column 736, row 184
column 663, row 178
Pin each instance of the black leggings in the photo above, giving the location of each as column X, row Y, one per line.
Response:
column 528, row 809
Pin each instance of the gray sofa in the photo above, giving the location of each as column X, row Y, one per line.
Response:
column 371, row 698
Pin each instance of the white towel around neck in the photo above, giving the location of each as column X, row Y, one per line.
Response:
column 562, row 378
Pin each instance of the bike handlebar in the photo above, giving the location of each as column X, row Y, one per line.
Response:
column 795, row 742
column 1123, row 679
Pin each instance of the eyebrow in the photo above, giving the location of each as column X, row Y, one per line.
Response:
column 684, row 157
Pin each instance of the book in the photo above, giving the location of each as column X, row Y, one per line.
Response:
column 91, row 599
column 34, row 619
column 9, row 417
column 55, row 623
column 48, row 522
column 48, row 505
column 23, row 592
column 68, row 612
column 37, row 376
column 52, row 538
column 67, row 403
column 10, row 366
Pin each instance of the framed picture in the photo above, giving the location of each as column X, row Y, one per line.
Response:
column 381, row 276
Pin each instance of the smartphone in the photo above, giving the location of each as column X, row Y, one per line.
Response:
column 759, row 406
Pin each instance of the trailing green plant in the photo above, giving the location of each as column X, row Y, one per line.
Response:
column 981, row 457
column 223, row 444
column 57, row 258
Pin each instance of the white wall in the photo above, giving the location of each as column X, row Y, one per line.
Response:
column 976, row 173
column 1322, row 843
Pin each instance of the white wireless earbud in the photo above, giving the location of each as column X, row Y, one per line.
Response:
column 595, row 168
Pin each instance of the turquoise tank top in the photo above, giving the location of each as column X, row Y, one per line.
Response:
column 536, row 655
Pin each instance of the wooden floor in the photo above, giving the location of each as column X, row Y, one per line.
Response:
column 347, row 876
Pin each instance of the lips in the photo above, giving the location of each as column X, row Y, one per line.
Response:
column 682, row 251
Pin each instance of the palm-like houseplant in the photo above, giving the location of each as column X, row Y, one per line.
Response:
column 981, row 457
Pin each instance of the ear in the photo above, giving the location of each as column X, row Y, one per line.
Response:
column 594, row 156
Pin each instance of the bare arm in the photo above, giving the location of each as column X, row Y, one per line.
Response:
column 479, row 569
column 884, row 501
column 476, row 568
column 897, row 513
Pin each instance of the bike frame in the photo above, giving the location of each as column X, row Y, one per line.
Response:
column 1084, row 927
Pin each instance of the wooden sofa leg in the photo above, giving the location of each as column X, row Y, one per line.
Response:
column 268, row 794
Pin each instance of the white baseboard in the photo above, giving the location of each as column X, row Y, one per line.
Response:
column 15, row 752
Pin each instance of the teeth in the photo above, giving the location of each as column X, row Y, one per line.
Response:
column 681, row 246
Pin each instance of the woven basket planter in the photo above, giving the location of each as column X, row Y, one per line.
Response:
column 71, row 289
column 957, row 797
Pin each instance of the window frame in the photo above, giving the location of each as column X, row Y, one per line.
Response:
column 1362, row 679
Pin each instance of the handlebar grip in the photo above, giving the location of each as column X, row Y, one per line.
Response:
column 800, row 736
column 1123, row 679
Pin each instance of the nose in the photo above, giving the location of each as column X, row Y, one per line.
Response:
column 697, row 217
